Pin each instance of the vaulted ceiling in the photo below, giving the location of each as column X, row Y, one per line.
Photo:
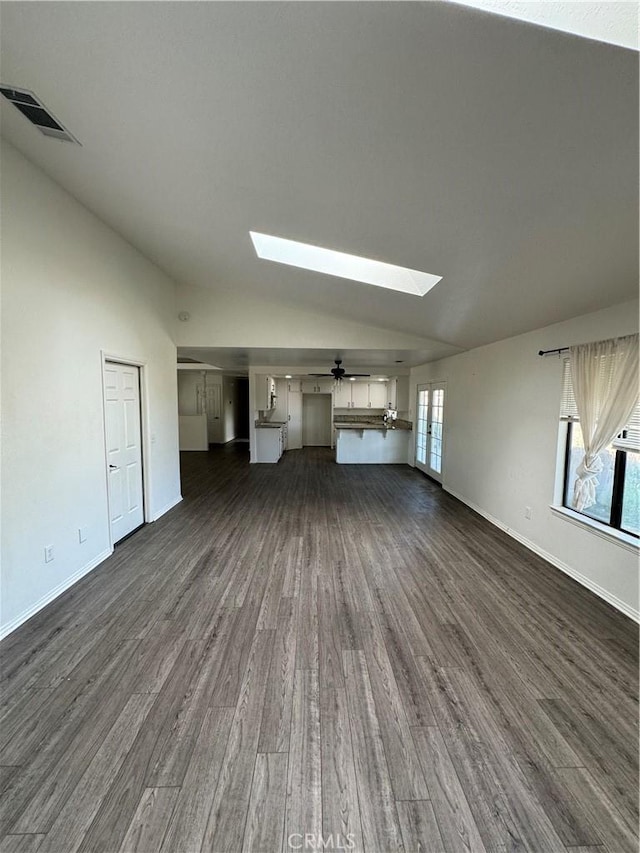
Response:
column 498, row 154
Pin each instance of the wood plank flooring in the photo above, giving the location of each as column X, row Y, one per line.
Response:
column 309, row 656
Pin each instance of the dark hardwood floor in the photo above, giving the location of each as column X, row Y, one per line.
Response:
column 308, row 648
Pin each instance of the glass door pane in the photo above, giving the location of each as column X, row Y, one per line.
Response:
column 437, row 415
column 422, row 426
column 430, row 429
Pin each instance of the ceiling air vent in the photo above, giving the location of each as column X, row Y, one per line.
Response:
column 34, row 110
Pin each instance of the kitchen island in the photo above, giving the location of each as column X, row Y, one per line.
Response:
column 371, row 442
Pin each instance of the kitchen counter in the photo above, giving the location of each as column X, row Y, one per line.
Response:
column 381, row 426
column 269, row 424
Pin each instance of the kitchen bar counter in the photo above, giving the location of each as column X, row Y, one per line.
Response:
column 371, row 443
column 382, row 426
column 342, row 421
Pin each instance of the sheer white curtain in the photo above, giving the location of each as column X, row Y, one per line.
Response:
column 604, row 376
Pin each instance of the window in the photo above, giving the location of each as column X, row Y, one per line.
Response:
column 618, row 491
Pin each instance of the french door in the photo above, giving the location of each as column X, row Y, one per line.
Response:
column 429, row 431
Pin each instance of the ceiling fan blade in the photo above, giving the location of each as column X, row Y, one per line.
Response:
column 338, row 372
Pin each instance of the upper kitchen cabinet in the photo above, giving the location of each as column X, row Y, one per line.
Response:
column 403, row 394
column 359, row 395
column 378, row 398
column 265, row 393
column 398, row 393
column 342, row 395
column 317, row 386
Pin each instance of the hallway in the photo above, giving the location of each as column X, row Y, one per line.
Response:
column 307, row 649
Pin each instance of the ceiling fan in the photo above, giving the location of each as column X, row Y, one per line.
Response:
column 339, row 373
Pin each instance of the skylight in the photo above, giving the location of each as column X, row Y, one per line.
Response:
column 342, row 265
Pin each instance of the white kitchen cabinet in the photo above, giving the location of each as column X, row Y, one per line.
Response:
column 398, row 393
column 402, row 396
column 294, row 416
column 359, row 395
column 378, row 395
column 270, row 443
column 317, row 386
column 342, row 395
column 265, row 393
column 392, row 393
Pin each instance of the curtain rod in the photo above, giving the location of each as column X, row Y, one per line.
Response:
column 549, row 351
column 566, row 349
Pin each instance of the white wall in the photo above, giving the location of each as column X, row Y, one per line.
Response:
column 501, row 442
column 187, row 394
column 71, row 287
column 188, row 380
column 231, row 320
column 194, row 433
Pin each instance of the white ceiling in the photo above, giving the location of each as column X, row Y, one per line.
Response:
column 608, row 21
column 316, row 360
column 500, row 155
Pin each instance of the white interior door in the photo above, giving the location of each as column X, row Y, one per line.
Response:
column 124, row 448
column 294, row 418
column 209, row 402
column 429, row 429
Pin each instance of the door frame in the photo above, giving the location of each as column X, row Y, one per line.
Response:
column 430, row 386
column 145, row 433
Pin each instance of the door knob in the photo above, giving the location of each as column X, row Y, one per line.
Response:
column 115, row 467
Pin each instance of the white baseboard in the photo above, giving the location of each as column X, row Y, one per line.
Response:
column 598, row 590
column 54, row 593
column 169, row 506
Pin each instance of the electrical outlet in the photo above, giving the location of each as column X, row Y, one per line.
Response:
column 82, row 534
column 48, row 553
column 527, row 512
